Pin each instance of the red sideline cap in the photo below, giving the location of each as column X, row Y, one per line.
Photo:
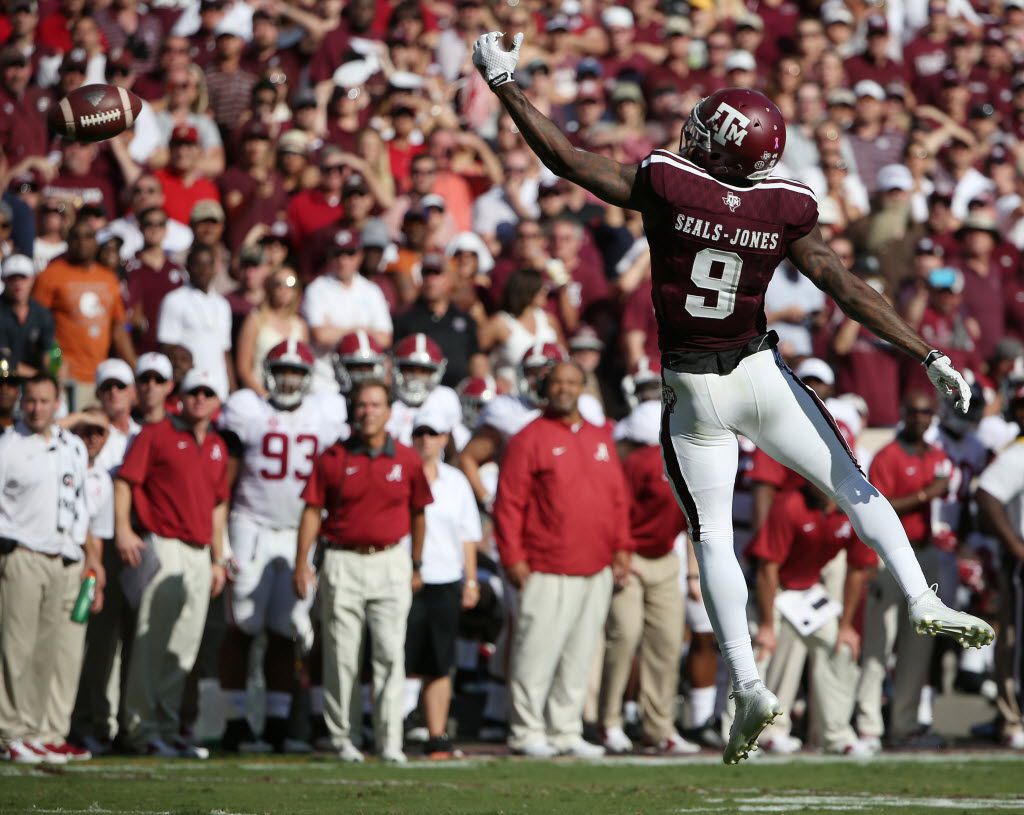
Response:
column 184, row 134
column 345, row 239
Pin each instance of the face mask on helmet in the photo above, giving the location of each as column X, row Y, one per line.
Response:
column 287, row 384
column 531, row 382
column 413, row 383
column 352, row 373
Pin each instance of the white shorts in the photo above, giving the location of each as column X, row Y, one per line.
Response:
column 763, row 400
column 261, row 595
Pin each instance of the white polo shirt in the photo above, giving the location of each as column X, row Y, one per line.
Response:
column 112, row 454
column 32, row 469
column 452, row 520
column 99, row 502
column 328, row 301
column 200, row 321
column 1003, row 479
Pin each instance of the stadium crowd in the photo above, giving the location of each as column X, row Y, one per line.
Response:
column 337, row 392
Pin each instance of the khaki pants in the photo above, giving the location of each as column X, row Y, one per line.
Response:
column 108, row 638
column 32, row 592
column 833, row 682
column 172, row 614
column 646, row 613
column 69, row 643
column 373, row 590
column 560, row 620
column 887, row 626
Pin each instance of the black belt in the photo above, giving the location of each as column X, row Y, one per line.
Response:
column 716, row 362
column 362, row 549
column 8, row 545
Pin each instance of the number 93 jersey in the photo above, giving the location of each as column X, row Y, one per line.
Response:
column 279, row 449
column 714, row 248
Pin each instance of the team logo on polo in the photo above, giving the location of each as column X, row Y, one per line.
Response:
column 602, row 453
column 395, row 474
column 728, row 125
column 732, row 200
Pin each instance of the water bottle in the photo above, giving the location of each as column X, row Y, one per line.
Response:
column 86, row 594
column 54, row 361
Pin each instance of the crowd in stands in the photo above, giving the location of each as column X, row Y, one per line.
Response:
column 323, row 242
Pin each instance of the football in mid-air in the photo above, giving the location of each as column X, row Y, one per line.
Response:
column 94, row 113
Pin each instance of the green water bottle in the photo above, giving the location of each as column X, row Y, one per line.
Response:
column 54, row 361
column 86, row 594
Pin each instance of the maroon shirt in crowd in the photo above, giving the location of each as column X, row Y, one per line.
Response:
column 897, row 473
column 654, row 515
column 540, row 514
column 23, row 128
column 176, row 482
column 638, row 315
column 309, row 211
column 803, row 538
column 369, row 497
column 249, row 201
column 147, row 288
column 985, row 300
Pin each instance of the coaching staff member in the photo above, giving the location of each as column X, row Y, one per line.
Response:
column 170, row 497
column 560, row 519
column 374, row 492
column 43, row 516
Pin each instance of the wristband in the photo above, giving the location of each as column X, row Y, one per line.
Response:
column 693, row 577
column 417, row 565
column 932, row 356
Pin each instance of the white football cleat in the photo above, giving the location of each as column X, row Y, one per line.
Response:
column 536, row 749
column 929, row 615
column 393, row 756
column 676, row 745
column 349, row 753
column 782, row 745
column 581, row 748
column 615, row 741
column 756, row 708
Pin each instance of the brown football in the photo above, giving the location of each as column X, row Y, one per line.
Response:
column 94, row 113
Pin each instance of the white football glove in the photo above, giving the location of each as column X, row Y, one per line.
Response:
column 948, row 381
column 495, row 64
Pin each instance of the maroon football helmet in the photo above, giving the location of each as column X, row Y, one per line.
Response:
column 357, row 357
column 474, row 393
column 643, row 382
column 419, row 367
column 737, row 135
column 288, row 372
column 537, row 362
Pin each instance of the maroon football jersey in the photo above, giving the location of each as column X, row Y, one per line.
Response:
column 714, row 248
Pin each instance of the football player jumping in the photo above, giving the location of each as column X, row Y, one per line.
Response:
column 272, row 443
column 718, row 224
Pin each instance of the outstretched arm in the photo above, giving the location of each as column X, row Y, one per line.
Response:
column 606, row 178
column 816, row 260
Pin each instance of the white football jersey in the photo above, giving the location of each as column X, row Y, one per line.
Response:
column 280, row 448
column 441, row 399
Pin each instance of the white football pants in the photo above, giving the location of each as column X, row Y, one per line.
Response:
column 763, row 400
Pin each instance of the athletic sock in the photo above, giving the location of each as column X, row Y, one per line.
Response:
column 700, row 705
column 279, row 704
column 235, row 702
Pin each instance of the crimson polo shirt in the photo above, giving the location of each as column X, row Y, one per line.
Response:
column 176, row 482
column 897, row 473
column 654, row 515
column 309, row 211
column 369, row 495
column 803, row 538
column 562, row 501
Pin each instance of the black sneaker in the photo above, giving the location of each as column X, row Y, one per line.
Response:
column 275, row 731
column 236, row 732
column 439, row 748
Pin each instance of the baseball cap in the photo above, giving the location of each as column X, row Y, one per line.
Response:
column 814, row 368
column 74, row 60
column 431, row 419
column 626, row 92
column 679, row 25
column 946, row 278
column 751, row 21
column 255, row 129
column 558, row 23
column 12, row 55
column 841, row 96
column 895, row 177
column 184, row 134
column 375, row 234
column 153, row 362
column 432, row 263
column 198, row 378
column 251, row 255
column 304, row 98
column 740, row 61
column 206, row 210
column 877, row 25
column 617, row 17
column 294, row 141
column 1017, row 4
column 836, row 13
column 868, row 87
column 585, row 339
column 17, row 265
column 277, row 231
column 1008, row 348
column 354, row 183
column 432, row 201
column 114, row 369
column 345, row 240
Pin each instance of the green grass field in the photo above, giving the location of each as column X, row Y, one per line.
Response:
column 893, row 785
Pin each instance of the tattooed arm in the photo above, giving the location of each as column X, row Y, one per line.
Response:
column 606, row 178
column 857, row 299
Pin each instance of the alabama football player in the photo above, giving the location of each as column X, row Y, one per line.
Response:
column 357, row 357
column 718, row 224
column 418, row 365
column 273, row 443
column 474, row 394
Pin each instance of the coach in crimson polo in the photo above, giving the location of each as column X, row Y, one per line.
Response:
column 170, row 504
column 373, row 492
column 561, row 520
